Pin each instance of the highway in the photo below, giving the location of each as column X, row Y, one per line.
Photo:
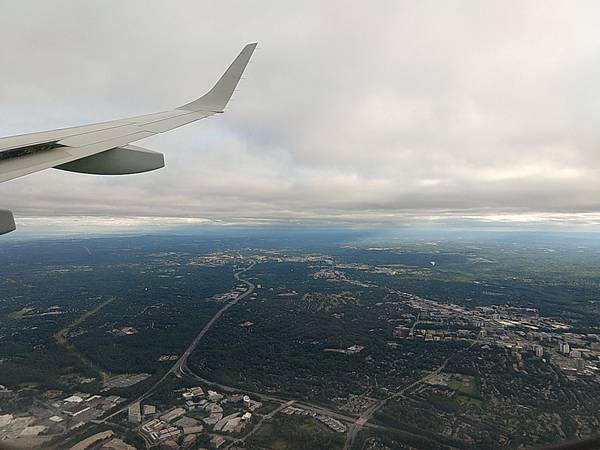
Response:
column 181, row 363
column 265, row 397
column 368, row 413
column 259, row 424
column 181, row 368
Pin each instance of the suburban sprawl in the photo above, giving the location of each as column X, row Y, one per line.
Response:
column 328, row 340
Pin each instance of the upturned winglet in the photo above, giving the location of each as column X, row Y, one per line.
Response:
column 217, row 98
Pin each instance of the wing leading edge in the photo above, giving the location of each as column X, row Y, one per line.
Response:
column 103, row 148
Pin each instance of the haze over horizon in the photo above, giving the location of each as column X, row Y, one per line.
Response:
column 445, row 114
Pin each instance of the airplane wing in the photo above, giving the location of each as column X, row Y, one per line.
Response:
column 104, row 148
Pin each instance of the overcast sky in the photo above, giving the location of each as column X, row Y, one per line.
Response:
column 350, row 112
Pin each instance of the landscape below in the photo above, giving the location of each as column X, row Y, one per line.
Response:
column 300, row 339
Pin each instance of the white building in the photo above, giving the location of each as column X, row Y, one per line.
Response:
column 134, row 413
column 564, row 348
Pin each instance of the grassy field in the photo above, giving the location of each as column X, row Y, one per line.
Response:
column 466, row 390
column 296, row 433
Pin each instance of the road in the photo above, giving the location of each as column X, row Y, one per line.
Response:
column 259, row 424
column 368, row 413
column 265, row 397
column 181, row 368
column 182, row 361
column 412, row 329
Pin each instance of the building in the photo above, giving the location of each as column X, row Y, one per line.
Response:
column 75, row 409
column 6, row 393
column 193, row 429
column 117, row 444
column 221, row 423
column 401, row 331
column 185, row 422
column 564, row 348
column 217, row 441
column 353, row 349
column 153, row 425
column 332, row 423
column 74, row 399
column 234, row 426
column 214, row 396
column 539, row 351
column 169, row 445
column 165, row 434
column 134, row 413
column 172, row 415
column 252, row 405
column 96, row 438
column 149, row 410
column 188, row 440
column 196, row 391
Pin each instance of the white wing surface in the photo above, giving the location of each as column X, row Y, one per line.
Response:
column 103, row 148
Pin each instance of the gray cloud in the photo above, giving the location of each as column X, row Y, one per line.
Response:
column 373, row 113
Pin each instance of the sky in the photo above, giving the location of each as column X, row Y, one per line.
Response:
column 367, row 114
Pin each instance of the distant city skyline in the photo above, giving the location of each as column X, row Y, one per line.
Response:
column 454, row 114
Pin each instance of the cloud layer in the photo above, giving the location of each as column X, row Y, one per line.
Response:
column 370, row 113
